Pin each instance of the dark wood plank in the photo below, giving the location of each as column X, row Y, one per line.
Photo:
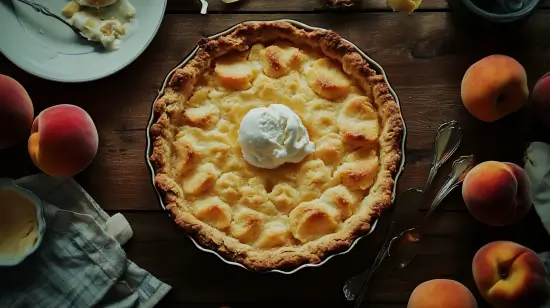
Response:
column 3, row 62
column 174, row 260
column 449, row 245
column 253, row 6
column 168, row 303
column 425, row 64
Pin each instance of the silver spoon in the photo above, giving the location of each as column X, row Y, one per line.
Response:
column 404, row 246
column 356, row 286
column 44, row 10
column 447, row 141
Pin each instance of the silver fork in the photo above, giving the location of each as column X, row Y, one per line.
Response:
column 447, row 141
column 45, row 11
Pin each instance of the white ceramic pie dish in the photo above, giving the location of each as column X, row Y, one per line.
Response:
column 149, row 148
column 45, row 47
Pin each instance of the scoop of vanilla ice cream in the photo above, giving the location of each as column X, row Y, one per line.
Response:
column 271, row 136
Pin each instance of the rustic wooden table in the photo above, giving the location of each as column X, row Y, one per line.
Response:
column 425, row 56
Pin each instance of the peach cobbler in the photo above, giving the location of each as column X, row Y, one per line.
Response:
column 276, row 146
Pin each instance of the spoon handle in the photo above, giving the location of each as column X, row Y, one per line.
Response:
column 461, row 167
column 44, row 10
column 405, row 204
column 403, row 247
column 382, row 253
column 38, row 7
column 447, row 141
column 431, row 177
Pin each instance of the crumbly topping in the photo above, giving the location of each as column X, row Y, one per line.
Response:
column 296, row 213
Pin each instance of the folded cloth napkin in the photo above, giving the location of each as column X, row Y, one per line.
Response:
column 537, row 167
column 80, row 262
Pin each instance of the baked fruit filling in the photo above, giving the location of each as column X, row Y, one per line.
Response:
column 297, row 211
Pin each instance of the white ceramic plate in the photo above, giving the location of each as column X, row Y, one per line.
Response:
column 45, row 47
column 149, row 149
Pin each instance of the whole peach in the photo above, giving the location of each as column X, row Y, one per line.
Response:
column 497, row 193
column 541, row 99
column 510, row 275
column 441, row 293
column 494, row 87
column 16, row 112
column 63, row 140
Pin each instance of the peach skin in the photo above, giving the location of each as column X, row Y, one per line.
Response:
column 494, row 87
column 63, row 140
column 16, row 112
column 441, row 293
column 541, row 99
column 497, row 193
column 509, row 275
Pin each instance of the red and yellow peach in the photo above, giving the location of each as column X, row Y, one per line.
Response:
column 63, row 140
column 497, row 193
column 509, row 275
column 16, row 112
column 439, row 293
column 494, row 87
column 541, row 99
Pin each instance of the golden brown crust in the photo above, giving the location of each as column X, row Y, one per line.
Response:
column 180, row 88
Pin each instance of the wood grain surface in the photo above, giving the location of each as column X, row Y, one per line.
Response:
column 304, row 6
column 424, row 55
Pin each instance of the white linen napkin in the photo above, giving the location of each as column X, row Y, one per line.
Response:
column 80, row 262
column 537, row 166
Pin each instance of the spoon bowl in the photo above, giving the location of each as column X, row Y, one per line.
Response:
column 403, row 247
column 447, row 140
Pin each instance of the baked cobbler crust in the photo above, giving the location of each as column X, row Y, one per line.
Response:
column 297, row 213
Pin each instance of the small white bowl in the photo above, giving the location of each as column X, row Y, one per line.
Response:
column 9, row 184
